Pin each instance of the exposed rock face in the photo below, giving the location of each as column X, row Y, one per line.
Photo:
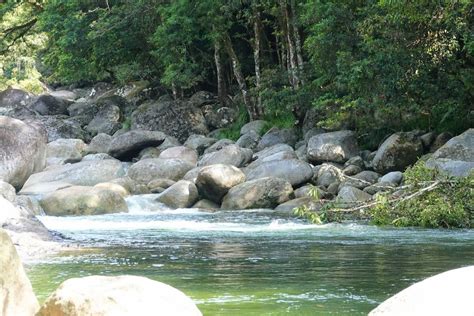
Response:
column 63, row 151
column 229, row 155
column 80, row 200
column 214, row 181
column 278, row 136
column 99, row 144
column 147, row 170
column 87, row 173
column 16, row 294
column 7, row 191
column 22, row 150
column 397, row 152
column 180, row 152
column 456, row 157
column 12, row 100
column 272, row 150
column 218, row 116
column 50, row 105
column 117, row 296
column 259, row 193
column 249, row 140
column 448, row 293
column 129, row 144
column 292, row 170
column 62, row 126
column 107, row 120
column 182, row 194
column 333, row 147
column 174, row 118
column 202, row 98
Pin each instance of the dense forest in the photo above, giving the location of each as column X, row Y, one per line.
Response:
column 372, row 66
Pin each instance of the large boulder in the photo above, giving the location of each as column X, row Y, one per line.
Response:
column 128, row 145
column 81, row 200
column 50, row 105
column 117, row 296
column 199, row 143
column 397, row 152
column 448, row 293
column 62, row 126
column 22, row 150
column 86, row 173
column 249, row 140
column 180, row 152
column 456, row 157
column 333, row 147
column 182, row 194
column 107, row 120
column 63, row 151
column 278, row 136
column 348, row 194
column 99, row 144
column 214, row 181
column 218, row 145
column 13, row 100
column 146, row 170
column 175, row 118
column 229, row 155
column 7, row 191
column 269, row 151
column 292, row 170
column 16, row 294
column 259, row 193
column 254, row 126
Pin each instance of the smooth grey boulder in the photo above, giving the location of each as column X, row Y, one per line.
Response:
column 281, row 155
column 50, row 105
column 269, row 151
column 107, row 121
column 332, row 147
column 84, row 173
column 182, row 194
column 327, row 174
column 349, row 194
column 394, row 177
column 7, row 191
column 304, row 191
column 248, row 140
column 16, row 293
column 147, row 170
column 351, row 170
column 175, row 118
column 149, row 152
column 180, row 152
column 292, row 170
column 440, row 140
column 362, row 179
column 229, row 155
column 199, row 143
column 170, row 141
column 63, row 151
column 214, row 181
column 22, row 150
column 218, row 145
column 206, row 205
column 91, row 157
column 259, row 193
column 397, row 152
column 253, row 126
column 99, row 144
column 192, row 174
column 278, row 136
column 117, row 296
column 301, row 153
column 160, row 184
column 456, row 157
column 127, row 146
column 81, row 200
column 447, row 293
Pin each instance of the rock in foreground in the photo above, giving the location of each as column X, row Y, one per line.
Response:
column 16, row 294
column 448, row 293
column 117, row 296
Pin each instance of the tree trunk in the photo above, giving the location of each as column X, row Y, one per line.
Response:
column 221, row 88
column 299, row 50
column 256, row 56
column 240, row 77
column 291, row 47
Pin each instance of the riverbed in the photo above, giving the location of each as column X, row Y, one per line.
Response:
column 253, row 262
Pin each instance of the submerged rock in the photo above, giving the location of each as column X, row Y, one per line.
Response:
column 117, row 296
column 16, row 294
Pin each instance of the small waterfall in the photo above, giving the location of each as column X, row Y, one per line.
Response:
column 144, row 203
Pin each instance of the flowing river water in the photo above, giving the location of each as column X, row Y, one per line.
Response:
column 253, row 262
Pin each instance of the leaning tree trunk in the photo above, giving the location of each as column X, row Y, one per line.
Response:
column 291, row 46
column 240, row 78
column 256, row 56
column 299, row 50
column 221, row 88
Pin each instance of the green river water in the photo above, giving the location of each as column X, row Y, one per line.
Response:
column 253, row 262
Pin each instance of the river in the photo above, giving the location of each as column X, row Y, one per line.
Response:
column 253, row 262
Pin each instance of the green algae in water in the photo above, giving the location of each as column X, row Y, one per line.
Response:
column 251, row 263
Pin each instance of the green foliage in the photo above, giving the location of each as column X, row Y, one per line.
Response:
column 305, row 212
column 449, row 203
column 232, row 132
